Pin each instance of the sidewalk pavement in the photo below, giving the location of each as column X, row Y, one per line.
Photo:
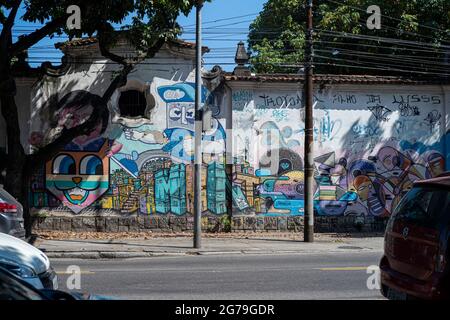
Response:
column 218, row 245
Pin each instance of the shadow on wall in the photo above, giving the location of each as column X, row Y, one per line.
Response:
column 363, row 174
column 144, row 169
column 62, row 107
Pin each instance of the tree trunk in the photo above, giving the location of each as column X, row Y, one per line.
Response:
column 21, row 166
column 24, row 198
column 16, row 157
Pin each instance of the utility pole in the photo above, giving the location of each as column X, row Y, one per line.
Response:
column 198, row 131
column 309, row 133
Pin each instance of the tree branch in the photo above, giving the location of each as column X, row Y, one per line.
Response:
column 34, row 37
column 2, row 18
column 98, row 115
column 108, row 54
column 7, row 26
column 121, row 79
column 155, row 48
column 12, row 16
column 67, row 135
column 104, row 40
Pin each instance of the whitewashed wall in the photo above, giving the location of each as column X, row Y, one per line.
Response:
column 23, row 102
column 371, row 143
column 145, row 162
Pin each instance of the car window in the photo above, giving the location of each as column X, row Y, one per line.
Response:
column 424, row 206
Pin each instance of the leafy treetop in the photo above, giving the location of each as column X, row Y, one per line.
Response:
column 277, row 35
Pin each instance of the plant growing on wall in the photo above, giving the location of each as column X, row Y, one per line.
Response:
column 225, row 222
column 153, row 22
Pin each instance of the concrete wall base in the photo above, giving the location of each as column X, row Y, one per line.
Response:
column 210, row 224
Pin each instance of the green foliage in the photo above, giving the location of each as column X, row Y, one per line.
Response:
column 277, row 36
column 225, row 222
column 151, row 19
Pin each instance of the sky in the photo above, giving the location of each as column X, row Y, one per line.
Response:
column 222, row 36
column 225, row 23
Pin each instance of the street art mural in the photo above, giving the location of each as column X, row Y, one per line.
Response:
column 135, row 167
column 79, row 174
column 78, row 178
column 370, row 148
column 180, row 108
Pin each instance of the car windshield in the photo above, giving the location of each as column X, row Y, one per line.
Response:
column 12, row 289
column 425, row 206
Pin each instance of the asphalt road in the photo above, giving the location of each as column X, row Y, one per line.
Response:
column 236, row 277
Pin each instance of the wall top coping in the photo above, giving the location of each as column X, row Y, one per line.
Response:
column 333, row 79
column 80, row 42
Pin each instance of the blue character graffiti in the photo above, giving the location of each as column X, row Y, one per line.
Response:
column 133, row 147
column 180, row 114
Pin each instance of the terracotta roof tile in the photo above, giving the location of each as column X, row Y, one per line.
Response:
column 330, row 79
column 92, row 40
column 76, row 43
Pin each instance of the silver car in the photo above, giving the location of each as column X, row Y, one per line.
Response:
column 27, row 262
column 11, row 215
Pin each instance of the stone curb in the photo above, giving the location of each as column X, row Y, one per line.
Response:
column 95, row 255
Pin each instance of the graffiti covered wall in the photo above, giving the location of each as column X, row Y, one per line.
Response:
column 370, row 146
column 142, row 166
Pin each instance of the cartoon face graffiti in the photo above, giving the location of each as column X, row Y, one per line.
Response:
column 392, row 159
column 78, row 178
column 372, row 193
column 180, row 98
column 363, row 186
column 181, row 115
column 435, row 163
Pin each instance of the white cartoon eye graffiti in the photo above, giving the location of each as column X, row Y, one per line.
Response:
column 190, row 115
column 64, row 164
column 175, row 113
column 362, row 188
column 91, row 165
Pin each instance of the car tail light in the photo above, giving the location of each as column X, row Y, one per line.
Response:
column 8, row 208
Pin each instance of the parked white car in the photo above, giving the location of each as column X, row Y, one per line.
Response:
column 27, row 262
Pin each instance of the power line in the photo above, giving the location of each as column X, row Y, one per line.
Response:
column 380, row 39
column 386, row 16
column 224, row 19
column 381, row 47
column 382, row 69
column 386, row 67
column 400, row 59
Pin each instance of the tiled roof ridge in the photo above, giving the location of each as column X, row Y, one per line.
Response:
column 92, row 40
column 333, row 78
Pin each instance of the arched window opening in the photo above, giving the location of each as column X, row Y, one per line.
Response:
column 132, row 104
